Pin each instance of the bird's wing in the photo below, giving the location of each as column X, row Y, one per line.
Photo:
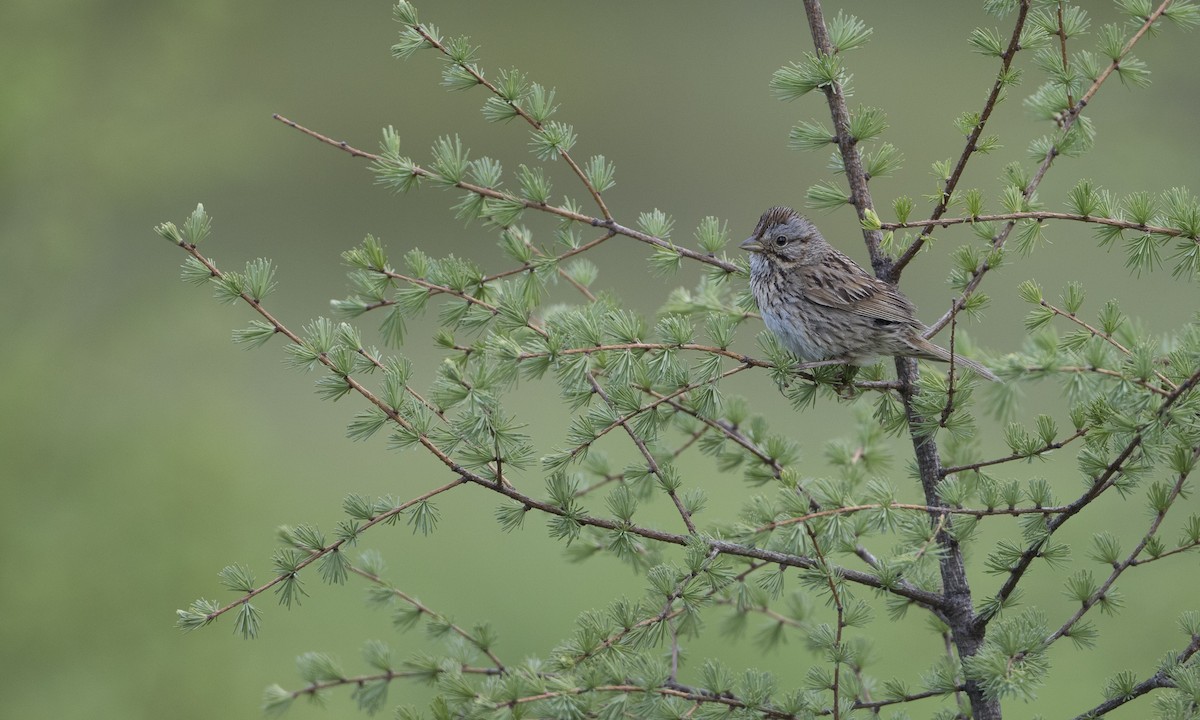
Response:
column 842, row 284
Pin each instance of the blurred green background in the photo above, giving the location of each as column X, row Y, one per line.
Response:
column 142, row 451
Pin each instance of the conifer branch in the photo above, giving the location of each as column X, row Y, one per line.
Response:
column 1048, row 447
column 1101, row 593
column 619, row 422
column 620, row 477
column 474, row 72
column 1062, row 46
column 562, row 212
column 1039, row 215
column 704, row 696
column 312, row 690
column 1067, row 122
column 1160, row 679
column 840, row 612
column 1106, row 337
column 500, row 486
column 1126, row 436
column 929, row 509
column 957, row 608
column 408, row 389
column 1006, row 59
column 666, row 614
column 1081, row 369
column 651, row 463
column 423, row 609
column 1099, row 485
column 730, row 431
column 651, row 346
column 322, row 552
column 860, row 193
column 435, row 289
column 725, row 547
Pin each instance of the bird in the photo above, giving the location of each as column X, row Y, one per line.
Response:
column 824, row 306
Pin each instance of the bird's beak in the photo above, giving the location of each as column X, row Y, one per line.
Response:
column 751, row 245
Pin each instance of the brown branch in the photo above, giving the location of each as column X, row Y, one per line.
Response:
column 620, row 477
column 712, row 350
column 425, row 610
column 1100, row 334
column 1039, row 215
column 528, row 267
column 860, row 193
column 1099, row 371
column 840, row 612
column 535, row 124
column 746, row 443
column 796, row 370
column 922, row 597
column 1068, row 121
column 1056, row 445
column 562, row 212
column 664, row 615
column 1155, row 558
column 1099, row 485
column 360, row 680
column 958, row 613
column 650, row 406
column 931, row 509
column 651, row 463
column 435, row 289
column 705, row 696
column 729, row 431
column 1160, row 679
column 1014, row 44
column 334, row 547
column 412, row 393
column 1099, row 595
column 957, row 609
column 948, row 408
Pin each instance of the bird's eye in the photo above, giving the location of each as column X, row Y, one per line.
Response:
column 781, row 240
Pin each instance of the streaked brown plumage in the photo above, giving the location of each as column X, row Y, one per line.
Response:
column 824, row 306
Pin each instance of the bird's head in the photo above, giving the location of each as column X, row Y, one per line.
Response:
column 785, row 235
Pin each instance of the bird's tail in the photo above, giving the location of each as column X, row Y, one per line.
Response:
column 930, row 351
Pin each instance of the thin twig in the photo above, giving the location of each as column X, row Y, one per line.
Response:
column 649, row 346
column 463, row 474
column 1082, row 369
column 1062, row 44
column 1055, row 445
column 1099, row 485
column 360, row 680
column 840, row 612
column 1119, row 568
column 1039, row 215
column 425, row 610
column 1014, row 44
column 856, row 175
column 562, row 212
column 1068, row 121
column 935, row 510
column 535, row 124
column 950, row 386
column 651, row 463
column 1072, row 317
column 650, row 406
column 333, row 547
column 1160, row 679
